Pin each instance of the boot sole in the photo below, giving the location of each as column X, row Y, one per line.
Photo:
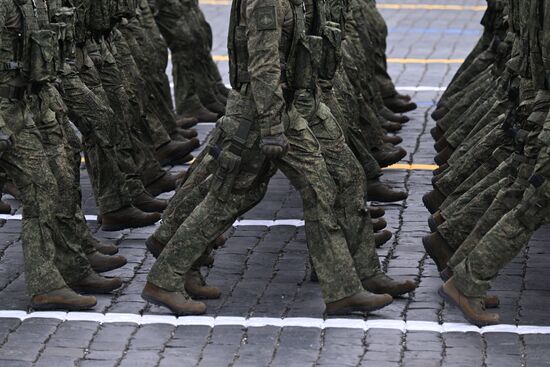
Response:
column 105, row 290
column 61, row 306
column 451, row 301
column 199, row 296
column 120, row 227
column 350, row 310
column 104, row 269
column 156, row 302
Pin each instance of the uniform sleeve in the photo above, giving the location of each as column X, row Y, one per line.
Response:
column 264, row 27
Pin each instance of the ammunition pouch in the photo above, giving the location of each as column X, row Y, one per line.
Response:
column 332, row 52
column 229, row 161
column 43, row 56
column 12, row 92
column 302, row 73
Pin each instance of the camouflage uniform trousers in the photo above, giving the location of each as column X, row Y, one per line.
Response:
column 343, row 168
column 144, row 114
column 468, row 98
column 62, row 149
column 379, row 33
column 482, row 62
column 305, row 167
column 340, row 101
column 503, row 242
column 160, row 59
column 49, row 263
column 137, row 66
column 463, row 194
column 190, row 43
column 475, row 116
column 478, row 134
column 92, row 119
column 135, row 157
column 472, row 160
column 506, row 200
column 481, row 45
column 475, row 202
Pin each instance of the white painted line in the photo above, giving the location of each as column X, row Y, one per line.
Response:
column 239, row 223
column 303, row 322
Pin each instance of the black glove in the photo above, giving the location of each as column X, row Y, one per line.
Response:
column 274, row 146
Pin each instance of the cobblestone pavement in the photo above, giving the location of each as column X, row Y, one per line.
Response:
column 270, row 314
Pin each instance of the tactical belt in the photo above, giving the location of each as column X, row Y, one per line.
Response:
column 12, row 92
column 11, row 65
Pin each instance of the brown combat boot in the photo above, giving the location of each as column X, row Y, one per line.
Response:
column 433, row 200
column 392, row 139
column 441, row 144
column 129, row 217
column 196, row 286
column 186, row 122
column 387, row 154
column 94, row 283
column 380, row 238
column 183, row 134
column 446, row 274
column 391, row 127
column 106, row 248
column 201, row 113
column 103, row 263
column 166, row 183
column 219, row 242
column 378, row 191
column 62, row 299
column 435, row 220
column 5, row 208
column 174, row 151
column 179, row 303
column 439, row 113
column 393, row 117
column 376, row 211
column 438, row 249
column 437, row 133
column 399, row 105
column 383, row 284
column 360, row 302
column 149, row 204
column 439, row 170
column 491, row 301
column 442, row 157
column 10, row 188
column 472, row 308
column 379, row 224
column 154, row 246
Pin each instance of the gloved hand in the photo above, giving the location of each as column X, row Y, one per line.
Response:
column 274, row 146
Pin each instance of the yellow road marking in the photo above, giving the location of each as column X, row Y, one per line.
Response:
column 389, row 6
column 390, row 60
column 414, row 167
